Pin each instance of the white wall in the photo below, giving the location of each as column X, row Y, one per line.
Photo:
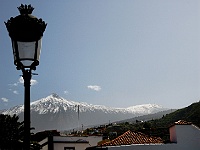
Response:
column 93, row 140
column 155, row 147
column 60, row 146
column 144, row 147
column 189, row 134
column 42, row 142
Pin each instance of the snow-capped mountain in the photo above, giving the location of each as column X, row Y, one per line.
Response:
column 54, row 112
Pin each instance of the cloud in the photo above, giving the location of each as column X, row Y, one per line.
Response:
column 94, row 87
column 66, row 92
column 4, row 99
column 21, row 81
column 33, row 82
column 15, row 92
column 14, row 86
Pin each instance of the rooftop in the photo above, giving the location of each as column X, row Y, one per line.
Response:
column 129, row 138
column 182, row 122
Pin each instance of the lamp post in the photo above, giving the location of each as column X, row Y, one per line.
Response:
column 26, row 33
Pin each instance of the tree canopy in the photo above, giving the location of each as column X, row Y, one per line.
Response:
column 11, row 132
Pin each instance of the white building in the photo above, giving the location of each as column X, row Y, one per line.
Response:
column 183, row 136
column 69, row 142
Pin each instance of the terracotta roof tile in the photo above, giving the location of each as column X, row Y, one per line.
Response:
column 129, row 138
column 182, row 122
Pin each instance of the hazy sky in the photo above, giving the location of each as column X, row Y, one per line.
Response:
column 116, row 53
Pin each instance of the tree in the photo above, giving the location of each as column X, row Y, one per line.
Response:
column 146, row 125
column 11, row 132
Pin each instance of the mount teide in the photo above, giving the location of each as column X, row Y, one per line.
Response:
column 54, row 112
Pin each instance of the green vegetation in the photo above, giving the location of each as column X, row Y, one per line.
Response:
column 12, row 134
column 153, row 127
column 190, row 114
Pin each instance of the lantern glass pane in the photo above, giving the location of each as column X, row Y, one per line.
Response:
column 26, row 52
column 39, row 49
column 14, row 51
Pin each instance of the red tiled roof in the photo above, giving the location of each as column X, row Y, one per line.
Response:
column 182, row 122
column 129, row 138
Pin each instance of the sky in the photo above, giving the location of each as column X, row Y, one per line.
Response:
column 117, row 53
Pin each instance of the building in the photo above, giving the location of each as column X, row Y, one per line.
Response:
column 69, row 142
column 183, row 136
column 129, row 138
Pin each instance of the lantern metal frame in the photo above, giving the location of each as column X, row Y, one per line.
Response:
column 26, row 28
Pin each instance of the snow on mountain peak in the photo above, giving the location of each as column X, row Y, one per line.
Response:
column 54, row 103
column 147, row 108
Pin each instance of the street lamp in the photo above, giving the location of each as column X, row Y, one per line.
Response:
column 26, row 33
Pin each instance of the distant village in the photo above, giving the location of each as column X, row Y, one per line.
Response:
column 163, row 133
column 183, row 135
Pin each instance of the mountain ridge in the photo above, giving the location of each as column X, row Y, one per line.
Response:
column 46, row 103
column 55, row 112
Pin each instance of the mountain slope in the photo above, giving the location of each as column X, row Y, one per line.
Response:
column 148, row 117
column 190, row 114
column 54, row 112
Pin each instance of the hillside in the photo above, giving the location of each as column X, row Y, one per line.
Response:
column 148, row 117
column 190, row 113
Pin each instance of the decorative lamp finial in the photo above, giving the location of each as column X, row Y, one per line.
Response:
column 25, row 9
